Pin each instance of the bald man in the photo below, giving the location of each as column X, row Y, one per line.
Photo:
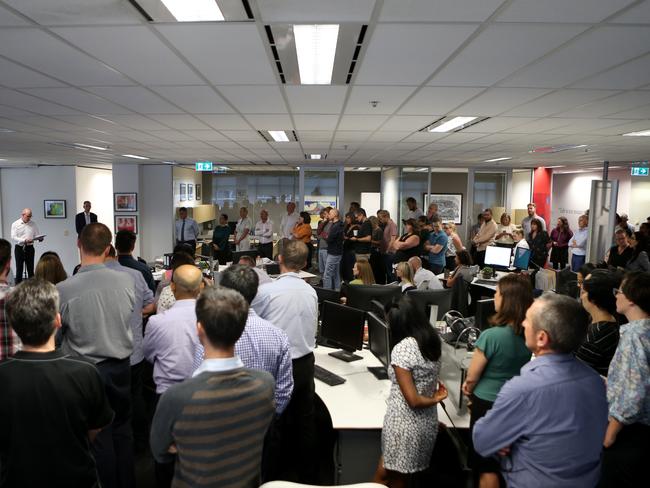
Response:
column 24, row 232
column 423, row 278
column 171, row 342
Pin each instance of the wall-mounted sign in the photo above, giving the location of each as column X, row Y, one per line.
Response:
column 640, row 171
column 203, row 165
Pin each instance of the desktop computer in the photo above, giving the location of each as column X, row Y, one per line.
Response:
column 379, row 344
column 484, row 310
column 342, row 327
column 522, row 258
column 497, row 257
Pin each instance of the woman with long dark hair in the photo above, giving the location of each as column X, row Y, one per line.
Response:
column 409, row 244
column 411, row 421
column 560, row 237
column 639, row 260
column 349, row 247
column 499, row 354
column 539, row 243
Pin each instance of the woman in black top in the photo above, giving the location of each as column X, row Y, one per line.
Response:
column 602, row 336
column 376, row 259
column 621, row 252
column 409, row 244
column 539, row 243
column 349, row 247
column 639, row 260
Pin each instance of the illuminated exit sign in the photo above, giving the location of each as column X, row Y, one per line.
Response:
column 640, row 171
column 203, row 166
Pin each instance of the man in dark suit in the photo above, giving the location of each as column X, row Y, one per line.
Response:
column 84, row 218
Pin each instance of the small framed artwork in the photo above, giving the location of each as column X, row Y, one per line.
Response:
column 125, row 202
column 126, row 222
column 190, row 191
column 183, row 192
column 450, row 206
column 198, row 191
column 54, row 209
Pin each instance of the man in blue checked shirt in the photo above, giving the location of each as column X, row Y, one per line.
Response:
column 548, row 425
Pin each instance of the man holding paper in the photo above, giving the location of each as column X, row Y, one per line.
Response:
column 24, row 232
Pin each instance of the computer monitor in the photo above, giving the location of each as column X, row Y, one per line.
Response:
column 522, row 258
column 484, row 310
column 272, row 269
column 238, row 254
column 360, row 296
column 379, row 344
column 342, row 326
column 430, row 298
column 498, row 257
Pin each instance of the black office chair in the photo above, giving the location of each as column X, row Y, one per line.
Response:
column 426, row 298
column 327, row 294
column 238, row 254
column 361, row 296
column 566, row 283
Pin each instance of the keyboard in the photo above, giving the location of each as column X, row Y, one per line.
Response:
column 327, row 377
column 486, row 282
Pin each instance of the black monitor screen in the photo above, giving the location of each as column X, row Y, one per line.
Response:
column 379, row 339
column 484, row 310
column 360, row 296
column 342, row 326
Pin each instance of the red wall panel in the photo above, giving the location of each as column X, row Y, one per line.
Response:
column 542, row 178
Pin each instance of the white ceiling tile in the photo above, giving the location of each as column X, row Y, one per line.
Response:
column 206, row 135
column 517, row 45
column 45, row 53
column 389, row 98
column 595, row 51
column 315, row 99
column 225, row 121
column 611, row 105
column 635, row 113
column 69, row 12
column 263, row 122
column 310, row 122
column 78, row 99
column 8, row 18
column 6, row 111
column 180, row 121
column 589, row 11
column 242, row 135
column 497, row 124
column 195, row 99
column 15, row 76
column 585, row 126
column 315, row 135
column 136, row 121
column 361, row 122
column 315, row 11
column 136, row 98
column 497, row 100
column 557, row 102
column 625, row 77
column 408, row 122
column 407, row 55
column 352, row 135
column 255, row 99
column 438, row 11
column 541, row 125
column 171, row 135
column 226, row 53
column 438, row 100
column 32, row 104
column 639, row 14
column 389, row 136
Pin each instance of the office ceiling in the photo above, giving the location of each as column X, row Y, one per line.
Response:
column 546, row 73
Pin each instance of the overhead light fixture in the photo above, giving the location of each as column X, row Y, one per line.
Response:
column 316, row 49
column 315, row 156
column 279, row 135
column 361, row 168
column 555, row 149
column 445, row 125
column 6, row 130
column 555, row 167
column 134, row 156
column 2, row 159
column 90, row 146
column 422, row 170
column 194, row 10
column 641, row 133
column 495, row 160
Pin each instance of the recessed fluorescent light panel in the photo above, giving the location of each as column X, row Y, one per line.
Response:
column 641, row 133
column 495, row 160
column 194, row 10
column 90, row 146
column 316, row 49
column 422, row 170
column 449, row 124
column 134, row 156
column 315, row 156
column 361, row 168
column 6, row 130
column 279, row 135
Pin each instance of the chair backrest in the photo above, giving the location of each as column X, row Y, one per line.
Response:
column 324, row 294
column 460, row 296
column 425, row 298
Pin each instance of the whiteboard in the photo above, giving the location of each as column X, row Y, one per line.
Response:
column 370, row 202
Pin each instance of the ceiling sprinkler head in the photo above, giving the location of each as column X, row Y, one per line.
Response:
column 374, row 103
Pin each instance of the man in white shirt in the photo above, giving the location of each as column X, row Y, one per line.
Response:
column 24, row 232
column 187, row 230
column 578, row 244
column 413, row 211
column 292, row 305
column 264, row 232
column 532, row 214
column 288, row 221
column 242, row 231
column 423, row 278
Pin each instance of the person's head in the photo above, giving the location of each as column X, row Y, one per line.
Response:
column 415, row 263
column 555, row 324
column 334, row 214
column 463, row 258
column 363, row 271
column 324, row 213
column 584, row 271
column 517, row 235
column 360, row 214
column 383, row 216
column 5, row 258
column 186, row 282
column 505, row 219
column 633, row 297
column 94, row 240
column 436, row 225
column 349, row 219
column 182, row 213
column 624, row 219
column 374, row 222
column 50, row 268
column 291, row 207
column 305, row 217
column 562, row 224
column 644, row 228
column 583, row 221
column 479, row 218
column 125, row 242
column 221, row 316
column 26, row 215
column 423, row 222
column 404, row 272
column 411, row 203
column 264, row 215
column 639, row 242
column 487, row 215
column 531, row 208
column 242, row 279
column 411, row 226
column 536, row 225
column 433, row 209
column 246, row 260
column 32, row 310
column 223, row 219
column 243, row 212
column 180, row 258
column 449, row 228
column 513, row 296
column 596, row 290
column 620, row 238
column 406, row 319
column 293, row 255
column 354, row 206
column 87, row 206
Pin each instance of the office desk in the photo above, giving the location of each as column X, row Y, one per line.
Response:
column 499, row 275
column 357, row 408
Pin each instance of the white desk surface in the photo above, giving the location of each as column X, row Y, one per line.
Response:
column 499, row 275
column 360, row 402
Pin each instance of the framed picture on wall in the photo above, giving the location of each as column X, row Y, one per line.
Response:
column 450, row 206
column 125, row 202
column 54, row 209
column 126, row 222
column 198, row 191
column 183, row 192
column 190, row 192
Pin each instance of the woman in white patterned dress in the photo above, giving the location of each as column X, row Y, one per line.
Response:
column 411, row 421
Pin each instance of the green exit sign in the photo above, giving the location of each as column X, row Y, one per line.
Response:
column 203, row 166
column 640, row 171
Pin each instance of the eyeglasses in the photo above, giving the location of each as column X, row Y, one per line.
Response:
column 616, row 291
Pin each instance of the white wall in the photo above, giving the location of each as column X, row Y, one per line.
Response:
column 157, row 211
column 126, row 179
column 28, row 187
column 96, row 186
column 521, row 188
column 639, row 200
column 390, row 192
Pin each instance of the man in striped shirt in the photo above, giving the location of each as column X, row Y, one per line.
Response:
column 216, row 421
